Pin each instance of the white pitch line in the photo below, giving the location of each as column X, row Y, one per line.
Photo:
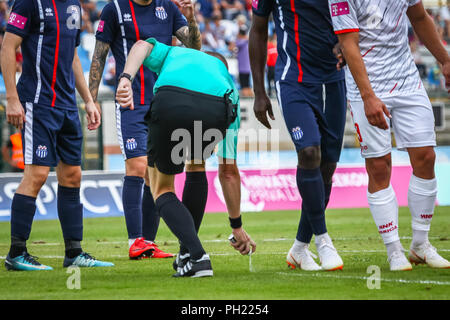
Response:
column 322, row 275
column 224, row 240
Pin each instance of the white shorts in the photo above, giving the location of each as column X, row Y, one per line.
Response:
column 412, row 123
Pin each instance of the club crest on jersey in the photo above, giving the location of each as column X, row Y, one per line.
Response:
column 131, row 144
column 41, row 151
column 127, row 17
column 297, row 133
column 161, row 13
column 48, row 12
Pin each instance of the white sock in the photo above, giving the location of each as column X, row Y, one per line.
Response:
column 130, row 242
column 299, row 246
column 325, row 236
column 421, row 201
column 384, row 208
column 393, row 246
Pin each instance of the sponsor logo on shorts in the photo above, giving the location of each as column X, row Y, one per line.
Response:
column 41, row 151
column 131, row 144
column 297, row 133
column 161, row 13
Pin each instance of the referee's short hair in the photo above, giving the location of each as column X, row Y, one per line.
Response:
column 218, row 56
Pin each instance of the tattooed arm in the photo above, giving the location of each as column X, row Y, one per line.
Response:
column 189, row 35
column 97, row 66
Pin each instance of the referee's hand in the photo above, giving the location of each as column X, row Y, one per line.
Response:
column 15, row 115
column 243, row 241
column 124, row 94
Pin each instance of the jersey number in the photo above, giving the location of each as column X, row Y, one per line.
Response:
column 373, row 22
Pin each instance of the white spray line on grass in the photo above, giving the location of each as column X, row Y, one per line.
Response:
column 322, row 275
column 224, row 240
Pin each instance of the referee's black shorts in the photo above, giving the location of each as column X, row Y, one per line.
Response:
column 184, row 125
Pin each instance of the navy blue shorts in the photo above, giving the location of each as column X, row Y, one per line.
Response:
column 132, row 130
column 50, row 135
column 315, row 115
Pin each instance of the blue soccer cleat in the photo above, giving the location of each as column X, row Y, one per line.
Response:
column 24, row 262
column 85, row 260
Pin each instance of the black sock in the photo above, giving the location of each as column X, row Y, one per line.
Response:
column 18, row 246
column 180, row 222
column 73, row 248
column 150, row 218
column 195, row 195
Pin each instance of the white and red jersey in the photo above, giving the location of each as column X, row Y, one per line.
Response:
column 383, row 41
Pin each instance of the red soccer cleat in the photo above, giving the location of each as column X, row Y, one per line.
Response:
column 158, row 253
column 140, row 249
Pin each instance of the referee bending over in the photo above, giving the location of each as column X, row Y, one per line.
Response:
column 194, row 99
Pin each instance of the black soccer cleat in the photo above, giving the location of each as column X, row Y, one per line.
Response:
column 180, row 261
column 196, row 268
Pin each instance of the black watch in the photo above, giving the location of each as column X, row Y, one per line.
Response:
column 126, row 75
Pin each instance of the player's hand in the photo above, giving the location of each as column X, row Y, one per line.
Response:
column 15, row 114
column 261, row 107
column 93, row 116
column 375, row 111
column 186, row 8
column 124, row 94
column 446, row 73
column 337, row 50
column 243, row 242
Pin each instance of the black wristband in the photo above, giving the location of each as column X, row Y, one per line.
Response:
column 126, row 75
column 235, row 223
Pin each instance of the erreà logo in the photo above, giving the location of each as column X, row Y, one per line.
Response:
column 127, row 17
column 48, row 12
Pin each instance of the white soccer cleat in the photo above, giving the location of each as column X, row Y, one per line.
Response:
column 302, row 259
column 398, row 262
column 329, row 258
column 427, row 254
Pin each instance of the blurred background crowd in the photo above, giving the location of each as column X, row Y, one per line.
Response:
column 224, row 25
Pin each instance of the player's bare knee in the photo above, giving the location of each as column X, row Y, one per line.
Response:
column 228, row 172
column 136, row 167
column 379, row 169
column 309, row 157
column 195, row 167
column 70, row 177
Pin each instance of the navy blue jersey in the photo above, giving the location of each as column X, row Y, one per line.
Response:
column 123, row 22
column 51, row 32
column 305, row 39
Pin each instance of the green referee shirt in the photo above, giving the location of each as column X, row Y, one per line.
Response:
column 196, row 71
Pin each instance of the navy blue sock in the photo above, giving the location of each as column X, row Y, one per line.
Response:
column 70, row 213
column 150, row 218
column 180, row 222
column 311, row 188
column 305, row 231
column 327, row 187
column 195, row 195
column 23, row 209
column 132, row 205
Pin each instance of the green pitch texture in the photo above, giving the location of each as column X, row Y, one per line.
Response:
column 353, row 230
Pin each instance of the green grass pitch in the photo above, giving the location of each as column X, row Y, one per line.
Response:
column 353, row 230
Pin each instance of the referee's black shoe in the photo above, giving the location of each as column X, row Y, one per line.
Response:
column 180, row 261
column 196, row 268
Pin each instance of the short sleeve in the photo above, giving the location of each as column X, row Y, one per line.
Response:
column 413, row 2
column 262, row 7
column 21, row 18
column 156, row 59
column 343, row 16
column 179, row 20
column 108, row 26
